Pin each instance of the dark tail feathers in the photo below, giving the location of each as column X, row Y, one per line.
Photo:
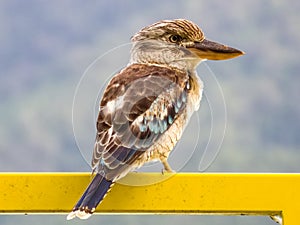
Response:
column 93, row 195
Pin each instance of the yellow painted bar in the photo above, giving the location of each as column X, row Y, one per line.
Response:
column 201, row 193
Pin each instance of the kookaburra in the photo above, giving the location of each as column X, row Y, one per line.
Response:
column 146, row 106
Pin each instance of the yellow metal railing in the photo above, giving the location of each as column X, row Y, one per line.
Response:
column 229, row 194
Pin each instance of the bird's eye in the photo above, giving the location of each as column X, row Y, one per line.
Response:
column 175, row 38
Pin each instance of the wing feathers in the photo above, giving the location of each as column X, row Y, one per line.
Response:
column 138, row 106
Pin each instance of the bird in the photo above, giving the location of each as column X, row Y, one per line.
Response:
column 146, row 106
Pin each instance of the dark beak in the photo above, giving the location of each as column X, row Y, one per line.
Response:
column 214, row 51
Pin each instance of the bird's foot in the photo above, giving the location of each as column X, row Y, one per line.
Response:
column 164, row 171
column 167, row 168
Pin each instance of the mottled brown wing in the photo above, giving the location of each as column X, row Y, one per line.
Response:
column 138, row 106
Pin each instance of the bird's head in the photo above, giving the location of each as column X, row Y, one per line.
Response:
column 179, row 43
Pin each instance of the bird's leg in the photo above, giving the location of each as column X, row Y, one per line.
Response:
column 167, row 167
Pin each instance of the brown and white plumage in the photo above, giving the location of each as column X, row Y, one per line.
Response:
column 146, row 106
column 147, row 100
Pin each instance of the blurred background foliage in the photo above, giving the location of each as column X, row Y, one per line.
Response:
column 47, row 45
